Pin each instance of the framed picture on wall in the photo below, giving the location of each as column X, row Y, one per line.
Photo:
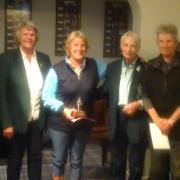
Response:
column 67, row 19
column 117, row 22
column 16, row 11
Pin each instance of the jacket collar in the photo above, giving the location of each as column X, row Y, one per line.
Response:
column 159, row 61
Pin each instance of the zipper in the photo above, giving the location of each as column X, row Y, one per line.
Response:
column 165, row 84
column 78, row 72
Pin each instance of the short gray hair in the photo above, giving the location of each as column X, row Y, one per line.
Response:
column 169, row 29
column 26, row 24
column 132, row 35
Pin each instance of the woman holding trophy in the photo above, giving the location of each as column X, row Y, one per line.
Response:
column 69, row 92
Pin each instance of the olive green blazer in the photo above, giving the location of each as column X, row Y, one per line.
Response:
column 14, row 90
column 137, row 125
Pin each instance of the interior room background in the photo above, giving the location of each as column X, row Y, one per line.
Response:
column 146, row 14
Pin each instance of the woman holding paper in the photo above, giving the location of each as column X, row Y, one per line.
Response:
column 162, row 102
column 69, row 93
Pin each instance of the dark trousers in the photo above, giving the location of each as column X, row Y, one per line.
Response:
column 160, row 165
column 175, row 158
column 122, row 149
column 3, row 146
column 31, row 142
column 165, row 165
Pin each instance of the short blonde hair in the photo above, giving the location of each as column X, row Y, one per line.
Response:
column 26, row 24
column 72, row 36
column 169, row 29
column 132, row 35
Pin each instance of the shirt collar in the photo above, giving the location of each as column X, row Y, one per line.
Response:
column 159, row 61
column 67, row 60
column 24, row 55
column 130, row 65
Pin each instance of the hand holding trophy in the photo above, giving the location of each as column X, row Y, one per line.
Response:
column 73, row 114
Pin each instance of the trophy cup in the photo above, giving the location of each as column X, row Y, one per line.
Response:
column 80, row 112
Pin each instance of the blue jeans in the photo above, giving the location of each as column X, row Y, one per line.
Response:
column 72, row 143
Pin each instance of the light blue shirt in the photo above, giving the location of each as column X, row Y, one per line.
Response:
column 125, row 82
column 51, row 82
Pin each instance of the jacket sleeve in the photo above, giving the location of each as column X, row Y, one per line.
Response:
column 4, row 70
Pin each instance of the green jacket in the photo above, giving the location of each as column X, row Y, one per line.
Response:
column 137, row 125
column 14, row 90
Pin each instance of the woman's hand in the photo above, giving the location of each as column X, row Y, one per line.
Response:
column 70, row 113
column 163, row 125
column 8, row 132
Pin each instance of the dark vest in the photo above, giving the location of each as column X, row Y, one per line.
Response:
column 70, row 88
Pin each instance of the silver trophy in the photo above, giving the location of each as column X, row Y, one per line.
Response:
column 80, row 112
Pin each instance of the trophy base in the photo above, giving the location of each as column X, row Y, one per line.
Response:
column 81, row 114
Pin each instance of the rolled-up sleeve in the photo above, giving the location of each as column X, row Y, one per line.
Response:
column 49, row 92
column 101, row 68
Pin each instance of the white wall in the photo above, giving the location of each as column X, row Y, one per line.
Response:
column 152, row 13
column 93, row 25
column 147, row 15
column 2, row 28
column 43, row 14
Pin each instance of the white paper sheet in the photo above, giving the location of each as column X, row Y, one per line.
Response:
column 83, row 119
column 159, row 140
